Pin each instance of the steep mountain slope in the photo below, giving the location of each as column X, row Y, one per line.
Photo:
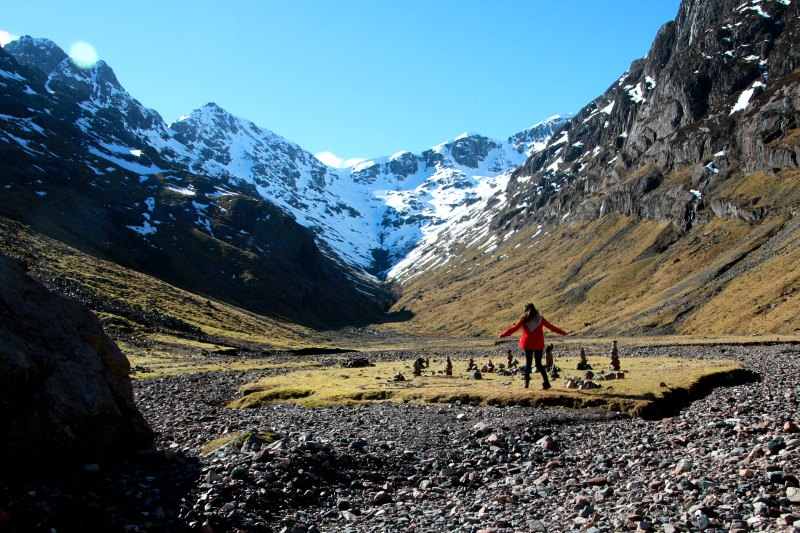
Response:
column 370, row 214
column 78, row 164
column 667, row 204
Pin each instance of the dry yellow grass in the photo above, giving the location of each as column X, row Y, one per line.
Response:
column 791, row 139
column 773, row 190
column 647, row 380
column 681, row 176
column 167, row 356
column 615, row 275
column 174, row 356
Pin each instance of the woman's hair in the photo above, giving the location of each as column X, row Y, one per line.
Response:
column 530, row 312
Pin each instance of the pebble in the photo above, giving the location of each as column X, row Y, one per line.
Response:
column 728, row 462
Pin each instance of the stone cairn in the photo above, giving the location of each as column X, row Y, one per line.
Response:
column 583, row 364
column 419, row 365
column 615, row 357
column 549, row 361
column 590, row 378
column 511, row 366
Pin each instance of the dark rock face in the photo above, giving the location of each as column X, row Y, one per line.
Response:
column 404, row 165
column 470, row 151
column 41, row 54
column 65, row 393
column 716, row 98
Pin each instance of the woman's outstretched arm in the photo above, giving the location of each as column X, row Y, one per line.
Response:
column 512, row 329
column 553, row 328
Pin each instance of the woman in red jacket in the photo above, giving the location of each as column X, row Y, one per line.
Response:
column 532, row 340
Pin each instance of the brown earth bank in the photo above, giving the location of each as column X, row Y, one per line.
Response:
column 727, row 461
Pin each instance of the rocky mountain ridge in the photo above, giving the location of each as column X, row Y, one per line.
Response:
column 709, row 100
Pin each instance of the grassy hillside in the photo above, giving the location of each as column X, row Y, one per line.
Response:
column 142, row 309
column 618, row 275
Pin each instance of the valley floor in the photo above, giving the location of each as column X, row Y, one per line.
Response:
column 728, row 461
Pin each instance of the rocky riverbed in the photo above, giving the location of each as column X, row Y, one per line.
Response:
column 729, row 462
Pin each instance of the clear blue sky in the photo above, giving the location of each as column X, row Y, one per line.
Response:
column 359, row 77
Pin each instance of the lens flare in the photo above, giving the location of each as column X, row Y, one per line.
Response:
column 83, row 54
column 6, row 37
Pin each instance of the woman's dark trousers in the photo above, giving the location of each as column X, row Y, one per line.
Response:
column 529, row 355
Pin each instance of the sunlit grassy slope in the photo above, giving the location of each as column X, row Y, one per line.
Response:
column 647, row 380
column 618, row 275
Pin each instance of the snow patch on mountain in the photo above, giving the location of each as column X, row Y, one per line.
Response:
column 333, row 160
column 460, row 223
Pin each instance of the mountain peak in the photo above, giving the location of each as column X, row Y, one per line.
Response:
column 213, row 106
column 534, row 138
column 552, row 119
column 209, row 115
column 36, row 42
column 467, row 135
column 213, row 112
column 35, row 52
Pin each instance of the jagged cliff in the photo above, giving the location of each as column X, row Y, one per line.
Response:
column 714, row 98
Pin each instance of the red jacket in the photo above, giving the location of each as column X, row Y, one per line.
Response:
column 532, row 339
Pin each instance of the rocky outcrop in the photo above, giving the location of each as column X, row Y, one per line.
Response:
column 65, row 393
column 716, row 98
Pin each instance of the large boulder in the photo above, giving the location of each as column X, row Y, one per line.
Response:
column 65, row 393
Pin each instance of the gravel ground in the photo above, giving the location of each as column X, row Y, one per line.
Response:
column 729, row 462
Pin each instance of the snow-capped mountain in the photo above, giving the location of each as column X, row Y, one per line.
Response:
column 667, row 204
column 84, row 162
column 371, row 215
column 107, row 112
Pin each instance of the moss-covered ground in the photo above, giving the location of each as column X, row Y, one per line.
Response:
column 647, row 380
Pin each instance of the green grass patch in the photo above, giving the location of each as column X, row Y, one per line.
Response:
column 235, row 439
column 648, row 382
